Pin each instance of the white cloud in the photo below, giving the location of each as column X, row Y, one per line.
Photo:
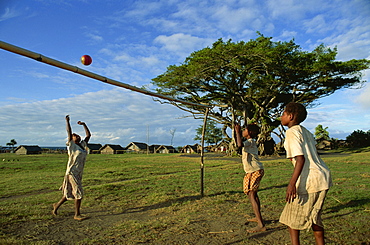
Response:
column 8, row 14
column 181, row 44
column 113, row 116
column 364, row 98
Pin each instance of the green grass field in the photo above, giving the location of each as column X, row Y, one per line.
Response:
column 154, row 199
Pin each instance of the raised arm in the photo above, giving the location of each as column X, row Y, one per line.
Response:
column 238, row 134
column 69, row 130
column 87, row 131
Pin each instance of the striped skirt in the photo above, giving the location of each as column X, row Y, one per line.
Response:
column 304, row 211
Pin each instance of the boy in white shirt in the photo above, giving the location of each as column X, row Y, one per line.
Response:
column 253, row 171
column 310, row 181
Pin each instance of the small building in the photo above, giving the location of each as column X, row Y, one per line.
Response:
column 223, row 146
column 324, row 145
column 94, row 148
column 165, row 149
column 154, row 148
column 191, row 149
column 137, row 147
column 28, row 150
column 112, row 149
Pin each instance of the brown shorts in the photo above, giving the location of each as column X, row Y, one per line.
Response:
column 252, row 181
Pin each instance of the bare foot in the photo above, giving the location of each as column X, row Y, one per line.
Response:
column 80, row 217
column 54, row 212
column 257, row 229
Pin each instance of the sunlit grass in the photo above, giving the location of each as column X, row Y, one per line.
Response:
column 158, row 198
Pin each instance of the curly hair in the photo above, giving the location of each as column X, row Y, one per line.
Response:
column 298, row 110
column 253, row 130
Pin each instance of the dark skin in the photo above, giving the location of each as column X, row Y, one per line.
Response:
column 77, row 139
column 289, row 120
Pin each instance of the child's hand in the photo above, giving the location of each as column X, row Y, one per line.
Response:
column 237, row 127
column 291, row 193
column 67, row 118
column 80, row 123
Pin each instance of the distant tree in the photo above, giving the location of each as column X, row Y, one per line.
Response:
column 359, row 138
column 213, row 135
column 12, row 143
column 321, row 133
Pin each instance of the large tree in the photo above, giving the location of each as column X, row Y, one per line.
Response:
column 253, row 81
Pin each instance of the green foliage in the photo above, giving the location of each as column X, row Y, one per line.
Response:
column 359, row 138
column 12, row 143
column 256, row 79
column 321, row 133
column 212, row 135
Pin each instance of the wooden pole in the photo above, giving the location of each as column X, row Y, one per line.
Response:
column 65, row 66
column 202, row 153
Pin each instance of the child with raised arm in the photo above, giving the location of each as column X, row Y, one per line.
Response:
column 254, row 171
column 72, row 184
column 310, row 181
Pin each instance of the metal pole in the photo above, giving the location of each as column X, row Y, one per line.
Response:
column 202, row 153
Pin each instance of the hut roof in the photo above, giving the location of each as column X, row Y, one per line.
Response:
column 94, row 146
column 114, row 147
column 29, row 147
column 142, row 146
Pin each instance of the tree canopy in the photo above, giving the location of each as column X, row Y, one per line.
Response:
column 253, row 81
column 321, row 133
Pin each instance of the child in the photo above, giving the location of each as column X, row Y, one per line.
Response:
column 310, row 181
column 253, row 171
column 72, row 184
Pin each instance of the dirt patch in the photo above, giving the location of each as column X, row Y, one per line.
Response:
column 205, row 229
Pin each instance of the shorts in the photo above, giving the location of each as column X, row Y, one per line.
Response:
column 304, row 211
column 252, row 181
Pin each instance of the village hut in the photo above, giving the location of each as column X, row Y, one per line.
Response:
column 94, row 148
column 137, row 147
column 28, row 150
column 324, row 145
column 153, row 148
column 222, row 147
column 165, row 149
column 191, row 149
column 112, row 149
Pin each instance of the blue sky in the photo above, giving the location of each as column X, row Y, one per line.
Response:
column 135, row 41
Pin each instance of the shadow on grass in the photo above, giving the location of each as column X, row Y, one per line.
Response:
column 165, row 204
column 274, row 187
column 258, row 235
column 350, row 204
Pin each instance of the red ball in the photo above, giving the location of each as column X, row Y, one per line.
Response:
column 86, row 60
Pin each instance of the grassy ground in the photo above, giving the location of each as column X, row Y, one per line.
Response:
column 154, row 199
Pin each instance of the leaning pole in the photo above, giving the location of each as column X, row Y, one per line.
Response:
column 65, row 66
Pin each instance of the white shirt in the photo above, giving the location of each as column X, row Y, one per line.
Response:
column 77, row 158
column 250, row 158
column 315, row 175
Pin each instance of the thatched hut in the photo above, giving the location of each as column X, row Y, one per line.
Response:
column 165, row 149
column 191, row 149
column 28, row 150
column 112, row 149
column 94, row 148
column 137, row 147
